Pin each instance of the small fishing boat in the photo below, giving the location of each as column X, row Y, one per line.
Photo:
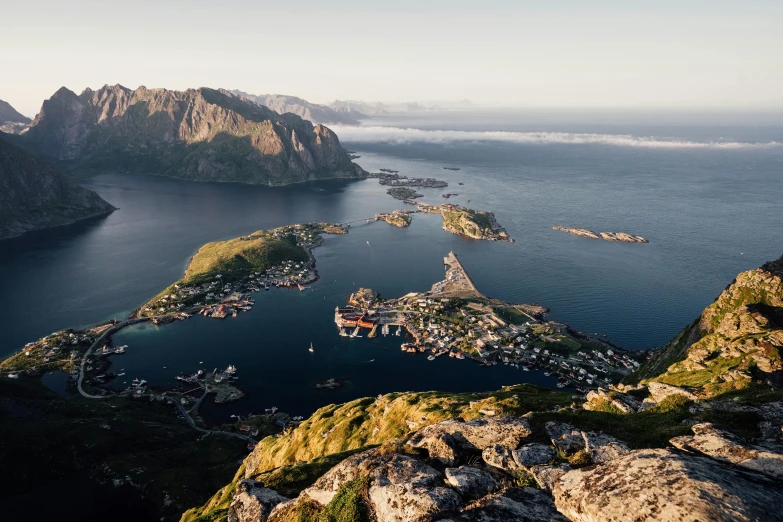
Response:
column 311, row 348
column 431, row 358
column 343, row 333
column 231, row 369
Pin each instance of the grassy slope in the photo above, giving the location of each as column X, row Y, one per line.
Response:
column 235, row 259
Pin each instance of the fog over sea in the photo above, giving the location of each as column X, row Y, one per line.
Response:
column 705, row 189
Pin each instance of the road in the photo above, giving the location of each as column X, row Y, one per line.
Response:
column 192, row 424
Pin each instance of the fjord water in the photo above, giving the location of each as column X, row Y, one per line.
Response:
column 708, row 211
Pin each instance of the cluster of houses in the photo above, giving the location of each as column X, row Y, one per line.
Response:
column 50, row 352
column 219, row 297
column 463, row 328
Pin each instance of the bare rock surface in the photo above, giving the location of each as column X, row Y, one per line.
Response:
column 722, row 445
column 604, row 448
column 501, row 458
column 471, row 482
column 546, row 476
column 664, row 485
column 252, row 502
column 533, row 455
column 565, row 437
column 659, row 391
column 325, row 488
column 513, row 505
column 623, row 402
column 444, row 439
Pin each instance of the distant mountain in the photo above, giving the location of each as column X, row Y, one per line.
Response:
column 359, row 109
column 11, row 121
column 35, row 195
column 199, row 134
column 281, row 104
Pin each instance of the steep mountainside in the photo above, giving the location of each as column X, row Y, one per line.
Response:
column 199, row 134
column 8, row 113
column 739, row 335
column 701, row 438
column 11, row 121
column 314, row 112
column 35, row 195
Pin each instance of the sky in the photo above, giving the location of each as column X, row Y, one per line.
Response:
column 558, row 53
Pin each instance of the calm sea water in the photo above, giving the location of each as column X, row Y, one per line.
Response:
column 701, row 189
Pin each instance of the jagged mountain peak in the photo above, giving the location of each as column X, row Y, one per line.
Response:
column 202, row 133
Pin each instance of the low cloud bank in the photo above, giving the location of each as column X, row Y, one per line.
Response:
column 379, row 134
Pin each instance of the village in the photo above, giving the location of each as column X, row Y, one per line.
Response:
column 227, row 294
column 453, row 319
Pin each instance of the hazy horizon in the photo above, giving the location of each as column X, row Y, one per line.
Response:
column 698, row 56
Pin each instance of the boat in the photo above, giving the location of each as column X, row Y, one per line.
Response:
column 120, row 374
column 311, row 348
column 547, row 373
column 431, row 358
column 397, row 333
column 231, row 369
column 356, row 333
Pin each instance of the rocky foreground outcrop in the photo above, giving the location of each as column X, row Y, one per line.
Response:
column 437, row 475
column 34, row 194
column 201, row 134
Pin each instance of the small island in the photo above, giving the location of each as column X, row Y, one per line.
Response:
column 467, row 222
column 398, row 218
column 606, row 236
column 403, row 193
column 393, row 179
column 450, row 168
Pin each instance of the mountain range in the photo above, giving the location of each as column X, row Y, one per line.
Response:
column 314, row 112
column 34, row 194
column 198, row 134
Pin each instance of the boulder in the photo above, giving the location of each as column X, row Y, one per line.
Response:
column 513, row 505
column 500, row 457
column 604, row 448
column 476, row 434
column 624, row 403
column 546, row 476
column 325, row 488
column 252, row 502
column 727, row 447
column 659, row 391
column 565, row 437
column 667, row 486
column 471, row 482
column 533, row 455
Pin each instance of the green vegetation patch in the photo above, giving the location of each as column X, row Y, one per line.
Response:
column 238, row 257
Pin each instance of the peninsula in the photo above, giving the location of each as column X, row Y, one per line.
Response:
column 455, row 319
column 606, row 236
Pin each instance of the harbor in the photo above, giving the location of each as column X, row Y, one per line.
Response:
column 453, row 318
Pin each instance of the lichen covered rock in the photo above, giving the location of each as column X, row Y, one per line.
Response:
column 664, row 485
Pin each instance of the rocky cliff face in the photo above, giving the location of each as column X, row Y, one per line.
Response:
column 200, row 134
column 313, row 112
column 35, row 195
